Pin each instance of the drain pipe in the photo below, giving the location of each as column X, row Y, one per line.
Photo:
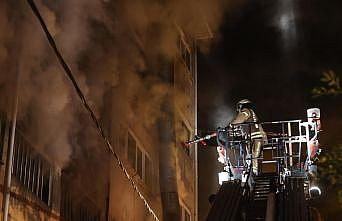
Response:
column 195, row 133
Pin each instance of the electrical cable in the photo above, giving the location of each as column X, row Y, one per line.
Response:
column 86, row 104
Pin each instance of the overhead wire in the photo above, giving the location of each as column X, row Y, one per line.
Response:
column 86, row 105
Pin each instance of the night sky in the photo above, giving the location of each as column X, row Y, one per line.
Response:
column 272, row 52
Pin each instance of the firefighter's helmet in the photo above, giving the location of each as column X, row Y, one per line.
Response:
column 245, row 103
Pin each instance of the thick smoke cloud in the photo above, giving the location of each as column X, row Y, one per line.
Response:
column 109, row 45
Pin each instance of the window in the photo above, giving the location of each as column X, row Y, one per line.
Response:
column 31, row 169
column 167, row 71
column 185, row 213
column 122, row 139
column 185, row 54
column 148, row 171
column 185, row 136
column 139, row 163
column 139, row 160
column 131, row 150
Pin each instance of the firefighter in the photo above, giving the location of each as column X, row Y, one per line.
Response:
column 246, row 114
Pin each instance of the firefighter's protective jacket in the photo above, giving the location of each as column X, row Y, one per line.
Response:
column 258, row 136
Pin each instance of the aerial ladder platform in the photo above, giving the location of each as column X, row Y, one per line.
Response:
column 286, row 179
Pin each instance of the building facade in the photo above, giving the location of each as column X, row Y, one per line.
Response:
column 162, row 167
column 147, row 118
column 35, row 185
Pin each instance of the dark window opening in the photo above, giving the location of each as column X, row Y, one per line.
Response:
column 46, row 188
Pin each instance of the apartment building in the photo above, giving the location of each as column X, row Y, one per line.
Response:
column 95, row 186
column 164, row 170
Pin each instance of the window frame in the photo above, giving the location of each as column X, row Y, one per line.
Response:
column 183, row 46
column 139, row 149
column 184, row 128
